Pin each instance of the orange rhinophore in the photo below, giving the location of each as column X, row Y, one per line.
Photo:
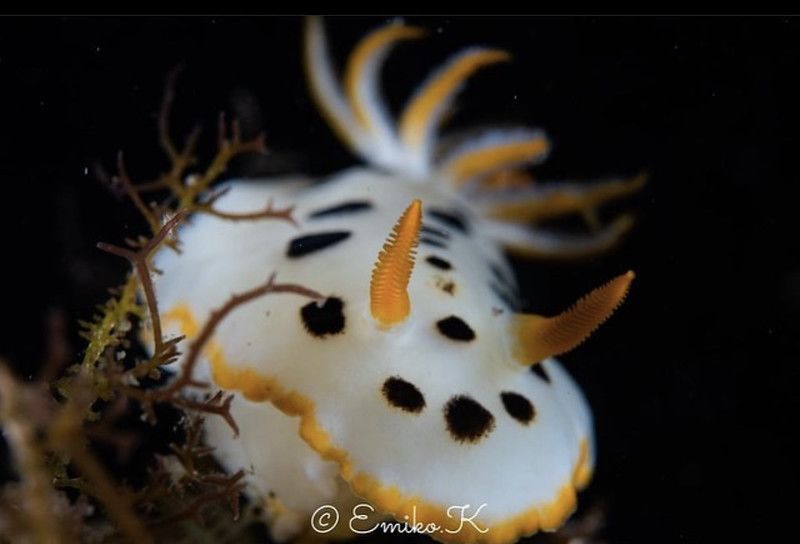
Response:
column 537, row 338
column 388, row 295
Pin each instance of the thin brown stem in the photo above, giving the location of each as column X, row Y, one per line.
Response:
column 139, row 260
column 216, row 317
column 127, row 185
column 179, row 160
column 164, row 113
column 212, row 406
column 269, row 212
column 182, row 161
column 227, row 149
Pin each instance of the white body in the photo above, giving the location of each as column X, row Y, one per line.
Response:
column 319, row 421
column 514, row 468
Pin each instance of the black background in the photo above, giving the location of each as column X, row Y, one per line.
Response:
column 692, row 383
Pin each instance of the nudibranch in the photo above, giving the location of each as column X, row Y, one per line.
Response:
column 415, row 386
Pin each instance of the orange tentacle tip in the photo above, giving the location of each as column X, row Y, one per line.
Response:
column 436, row 92
column 364, row 52
column 388, row 293
column 537, row 338
column 496, row 158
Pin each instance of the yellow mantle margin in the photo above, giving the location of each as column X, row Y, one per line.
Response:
column 260, row 388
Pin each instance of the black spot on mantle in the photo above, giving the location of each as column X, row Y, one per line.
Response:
column 455, row 328
column 467, row 420
column 450, row 218
column 309, row 243
column 539, row 370
column 345, row 208
column 433, row 231
column 403, row 395
column 438, row 262
column 428, row 241
column 323, row 320
column 518, row 407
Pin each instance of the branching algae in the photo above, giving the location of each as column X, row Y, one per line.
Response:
column 352, row 343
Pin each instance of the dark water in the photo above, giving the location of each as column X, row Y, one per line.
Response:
column 692, row 383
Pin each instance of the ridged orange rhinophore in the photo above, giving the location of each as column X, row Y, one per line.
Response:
column 388, row 294
column 537, row 338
